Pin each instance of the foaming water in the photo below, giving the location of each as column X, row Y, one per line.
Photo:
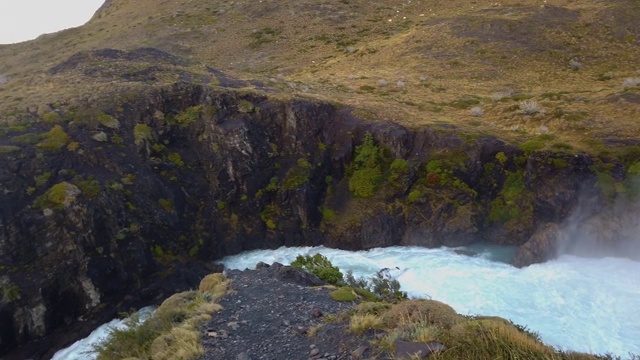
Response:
column 580, row 304
column 82, row 349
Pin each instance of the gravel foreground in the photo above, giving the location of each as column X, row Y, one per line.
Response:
column 271, row 311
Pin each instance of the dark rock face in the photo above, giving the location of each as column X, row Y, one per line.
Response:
column 189, row 175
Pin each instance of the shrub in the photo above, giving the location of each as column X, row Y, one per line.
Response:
column 381, row 287
column 530, row 107
column 367, row 173
column 319, row 266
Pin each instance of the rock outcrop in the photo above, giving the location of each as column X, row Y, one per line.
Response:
column 187, row 174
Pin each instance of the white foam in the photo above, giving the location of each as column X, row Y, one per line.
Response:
column 579, row 304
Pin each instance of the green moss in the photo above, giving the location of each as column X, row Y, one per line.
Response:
column 607, row 184
column 57, row 196
column 54, row 140
column 269, row 214
column 10, row 292
column 245, row 106
column 73, row 146
column 189, row 115
column 273, row 184
column 141, row 133
column 559, row 163
column 51, row 117
column 532, row 145
column 43, row 179
column 501, row 157
column 397, row 170
column 158, row 251
column 26, row 139
column 328, row 214
column 632, row 182
column 221, row 205
column 414, row 196
column 506, row 206
column 297, row 175
column 343, row 294
column 634, row 169
column 176, row 159
column 8, row 149
column 90, row 187
column 166, row 204
column 107, row 120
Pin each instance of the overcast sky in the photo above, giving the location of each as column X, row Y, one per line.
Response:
column 22, row 20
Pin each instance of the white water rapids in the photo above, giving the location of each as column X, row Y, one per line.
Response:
column 581, row 304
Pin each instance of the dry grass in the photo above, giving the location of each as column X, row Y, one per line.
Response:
column 339, row 51
column 360, row 323
column 464, row 337
column 429, row 312
column 173, row 332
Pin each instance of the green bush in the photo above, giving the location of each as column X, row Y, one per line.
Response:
column 381, row 287
column 367, row 169
column 319, row 266
column 505, row 207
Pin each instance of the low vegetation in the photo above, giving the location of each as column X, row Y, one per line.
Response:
column 173, row 331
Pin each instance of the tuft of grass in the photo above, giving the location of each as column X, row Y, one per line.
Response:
column 343, row 294
column 359, row 323
column 429, row 312
column 173, row 331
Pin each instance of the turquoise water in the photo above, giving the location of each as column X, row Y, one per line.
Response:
column 580, row 304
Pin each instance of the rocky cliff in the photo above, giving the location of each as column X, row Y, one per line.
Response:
column 123, row 199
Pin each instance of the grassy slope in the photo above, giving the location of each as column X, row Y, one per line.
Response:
column 467, row 54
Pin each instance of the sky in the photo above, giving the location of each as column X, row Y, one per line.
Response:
column 22, row 20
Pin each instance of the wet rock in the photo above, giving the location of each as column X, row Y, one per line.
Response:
column 542, row 246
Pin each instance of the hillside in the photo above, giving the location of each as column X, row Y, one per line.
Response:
column 413, row 62
column 136, row 149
